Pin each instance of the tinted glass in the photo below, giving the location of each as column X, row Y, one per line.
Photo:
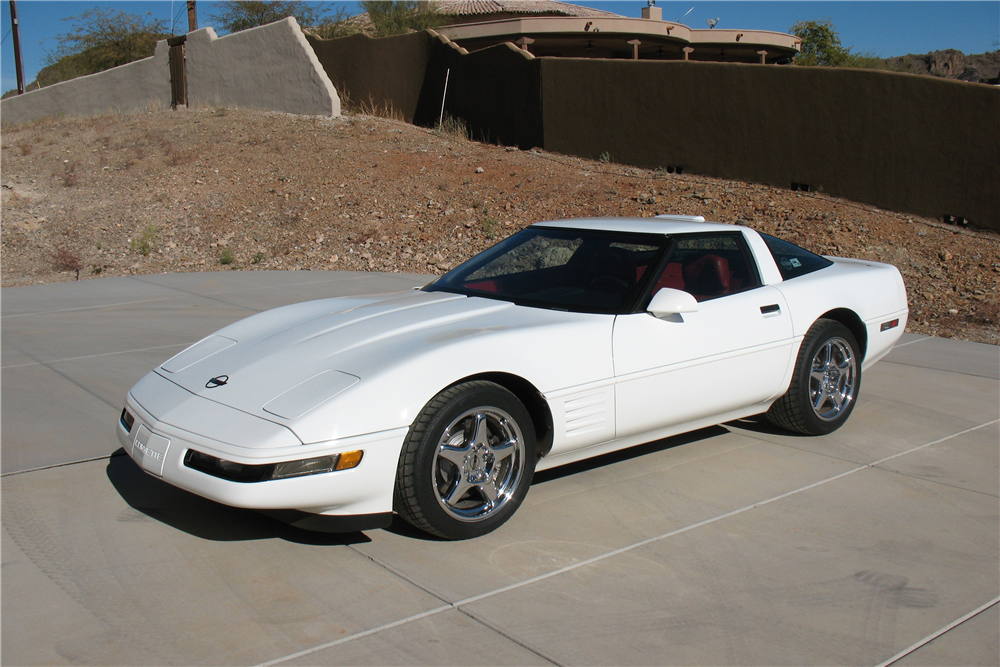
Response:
column 708, row 266
column 792, row 260
column 576, row 270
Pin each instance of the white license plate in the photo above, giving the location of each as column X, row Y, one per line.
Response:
column 150, row 450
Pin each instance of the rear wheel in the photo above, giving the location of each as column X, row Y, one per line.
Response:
column 467, row 462
column 825, row 383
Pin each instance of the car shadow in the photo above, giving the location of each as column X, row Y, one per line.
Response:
column 761, row 424
column 200, row 517
column 402, row 528
column 627, row 454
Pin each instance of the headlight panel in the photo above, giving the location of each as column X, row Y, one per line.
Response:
column 249, row 473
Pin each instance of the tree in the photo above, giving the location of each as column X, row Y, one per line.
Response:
column 400, row 16
column 239, row 15
column 821, row 44
column 340, row 24
column 102, row 39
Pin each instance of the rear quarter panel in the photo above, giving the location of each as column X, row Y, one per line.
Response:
column 873, row 291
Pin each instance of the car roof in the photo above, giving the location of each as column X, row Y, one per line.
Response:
column 665, row 224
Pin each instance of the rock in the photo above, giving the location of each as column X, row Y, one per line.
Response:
column 479, row 170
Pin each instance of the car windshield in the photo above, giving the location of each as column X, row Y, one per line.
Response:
column 567, row 269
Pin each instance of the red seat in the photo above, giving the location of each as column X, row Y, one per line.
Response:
column 707, row 277
column 671, row 277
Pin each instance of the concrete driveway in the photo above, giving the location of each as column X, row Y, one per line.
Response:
column 734, row 545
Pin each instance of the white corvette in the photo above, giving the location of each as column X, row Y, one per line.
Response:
column 568, row 340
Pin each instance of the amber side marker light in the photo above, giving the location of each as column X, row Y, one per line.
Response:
column 892, row 324
column 350, row 460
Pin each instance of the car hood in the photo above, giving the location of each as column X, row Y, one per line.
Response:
column 282, row 363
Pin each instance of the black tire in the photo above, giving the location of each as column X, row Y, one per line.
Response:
column 467, row 462
column 825, row 383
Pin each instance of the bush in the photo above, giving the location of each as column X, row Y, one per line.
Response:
column 145, row 242
column 399, row 17
column 102, row 39
column 239, row 15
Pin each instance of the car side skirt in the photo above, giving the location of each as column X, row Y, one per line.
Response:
column 650, row 436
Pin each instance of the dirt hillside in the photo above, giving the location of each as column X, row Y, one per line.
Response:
column 210, row 189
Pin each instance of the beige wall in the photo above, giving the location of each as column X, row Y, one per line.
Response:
column 129, row 87
column 271, row 67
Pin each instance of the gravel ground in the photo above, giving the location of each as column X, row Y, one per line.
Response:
column 209, row 189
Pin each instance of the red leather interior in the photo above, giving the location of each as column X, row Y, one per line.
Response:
column 671, row 277
column 483, row 285
column 707, row 276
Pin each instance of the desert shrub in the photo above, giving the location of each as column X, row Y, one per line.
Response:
column 146, row 241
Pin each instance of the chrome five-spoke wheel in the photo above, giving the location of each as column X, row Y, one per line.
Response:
column 467, row 461
column 832, row 379
column 479, row 462
column 825, row 382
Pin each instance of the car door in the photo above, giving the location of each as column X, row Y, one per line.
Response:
column 732, row 353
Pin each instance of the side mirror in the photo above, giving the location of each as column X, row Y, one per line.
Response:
column 670, row 302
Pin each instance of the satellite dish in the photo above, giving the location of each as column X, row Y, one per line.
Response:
column 712, row 23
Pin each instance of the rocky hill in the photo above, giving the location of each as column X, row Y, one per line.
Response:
column 216, row 189
column 951, row 64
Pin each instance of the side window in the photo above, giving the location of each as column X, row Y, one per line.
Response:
column 708, row 266
column 792, row 260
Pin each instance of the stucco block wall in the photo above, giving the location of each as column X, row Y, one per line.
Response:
column 384, row 74
column 271, row 67
column 902, row 142
column 126, row 88
column 494, row 90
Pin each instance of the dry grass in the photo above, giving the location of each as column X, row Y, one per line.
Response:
column 64, row 259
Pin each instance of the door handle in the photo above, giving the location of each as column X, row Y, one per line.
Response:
column 771, row 309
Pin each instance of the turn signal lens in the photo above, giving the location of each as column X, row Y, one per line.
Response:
column 891, row 324
column 350, row 460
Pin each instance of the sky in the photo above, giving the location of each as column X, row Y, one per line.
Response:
column 878, row 27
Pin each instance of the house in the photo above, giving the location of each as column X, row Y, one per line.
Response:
column 560, row 29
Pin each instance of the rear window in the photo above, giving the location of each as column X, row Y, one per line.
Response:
column 792, row 260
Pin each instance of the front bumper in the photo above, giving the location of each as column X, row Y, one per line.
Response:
column 165, row 426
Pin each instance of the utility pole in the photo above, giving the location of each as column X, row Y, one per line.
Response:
column 192, row 16
column 16, row 31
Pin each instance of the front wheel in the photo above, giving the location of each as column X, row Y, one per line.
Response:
column 825, row 383
column 467, row 462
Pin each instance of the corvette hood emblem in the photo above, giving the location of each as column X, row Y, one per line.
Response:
column 217, row 381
